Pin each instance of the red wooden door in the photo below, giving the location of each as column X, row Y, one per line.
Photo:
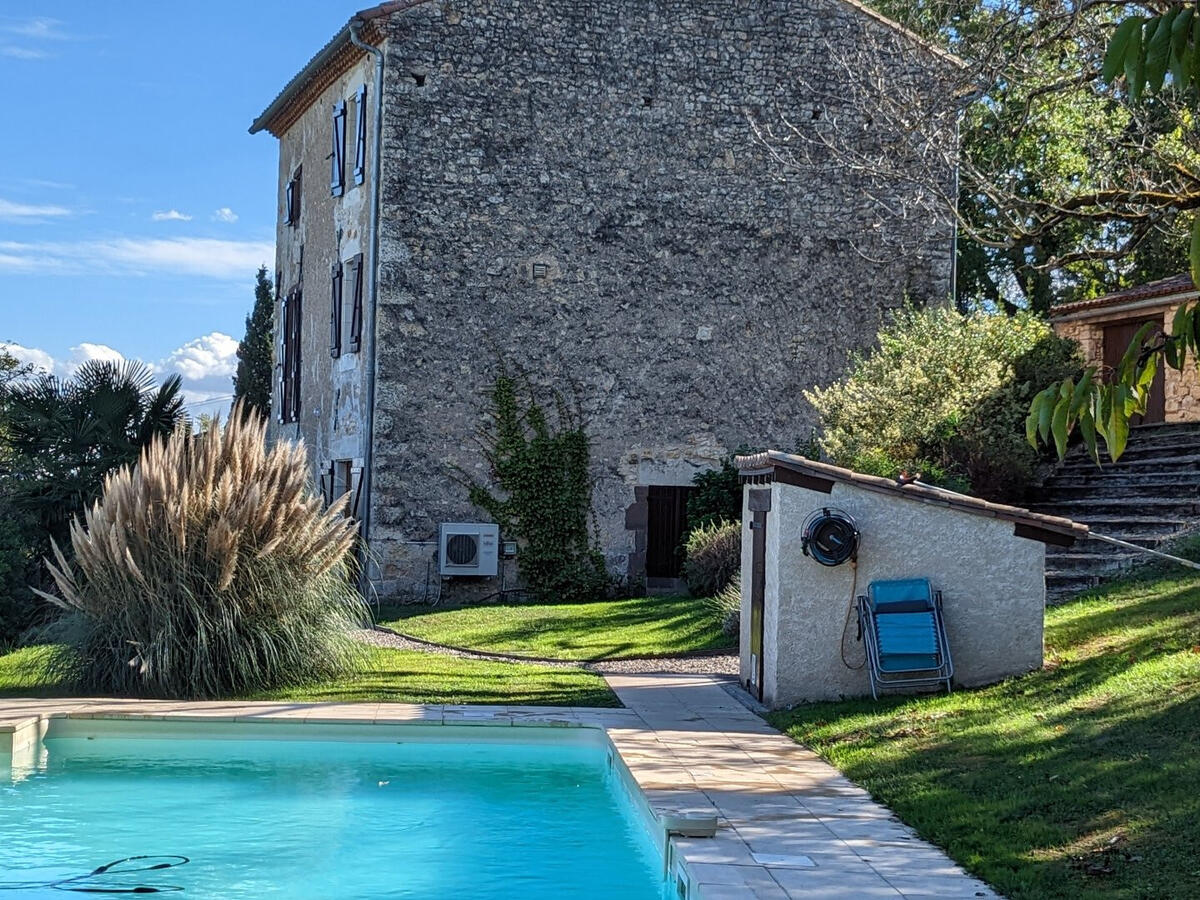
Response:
column 1117, row 339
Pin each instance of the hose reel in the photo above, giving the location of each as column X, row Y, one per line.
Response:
column 830, row 536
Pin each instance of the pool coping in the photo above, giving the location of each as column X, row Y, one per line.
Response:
column 737, row 809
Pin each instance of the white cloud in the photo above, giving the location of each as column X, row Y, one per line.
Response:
column 202, row 257
column 204, row 358
column 205, row 366
column 39, row 359
column 14, row 52
column 225, row 214
column 171, row 215
column 28, row 212
column 40, row 27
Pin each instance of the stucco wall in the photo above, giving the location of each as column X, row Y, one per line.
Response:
column 992, row 586
column 574, row 190
column 332, row 422
column 1182, row 389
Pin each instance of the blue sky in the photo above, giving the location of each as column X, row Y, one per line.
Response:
column 134, row 205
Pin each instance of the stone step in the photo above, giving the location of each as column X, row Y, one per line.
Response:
column 1143, row 507
column 1091, row 563
column 1094, row 547
column 1127, row 528
column 1063, row 587
column 1115, row 478
column 1060, row 493
column 1085, row 466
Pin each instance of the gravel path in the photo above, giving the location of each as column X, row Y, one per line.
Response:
column 696, row 663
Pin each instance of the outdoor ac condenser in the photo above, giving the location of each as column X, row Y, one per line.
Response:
column 466, row 548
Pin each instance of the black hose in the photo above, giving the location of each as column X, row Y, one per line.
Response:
column 94, row 882
column 830, row 537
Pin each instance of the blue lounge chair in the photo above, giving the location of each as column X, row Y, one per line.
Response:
column 905, row 635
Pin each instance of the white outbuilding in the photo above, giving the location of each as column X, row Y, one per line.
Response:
column 816, row 537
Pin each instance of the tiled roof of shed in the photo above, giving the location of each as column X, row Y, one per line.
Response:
column 1163, row 287
column 814, row 473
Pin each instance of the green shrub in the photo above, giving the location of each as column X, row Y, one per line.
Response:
column 946, row 395
column 716, row 496
column 727, row 603
column 714, row 555
column 210, row 569
column 547, row 496
column 18, row 569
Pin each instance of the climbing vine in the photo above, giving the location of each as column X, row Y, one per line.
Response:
column 545, row 499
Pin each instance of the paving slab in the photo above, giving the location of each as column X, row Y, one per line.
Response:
column 791, row 825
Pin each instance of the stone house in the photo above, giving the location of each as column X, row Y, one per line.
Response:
column 1104, row 327
column 574, row 191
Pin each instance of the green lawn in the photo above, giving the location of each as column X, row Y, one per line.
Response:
column 613, row 629
column 1078, row 781
column 392, row 675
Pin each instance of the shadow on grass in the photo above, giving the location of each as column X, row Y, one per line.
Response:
column 1081, row 780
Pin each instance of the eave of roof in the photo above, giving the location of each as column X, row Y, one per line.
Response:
column 339, row 52
column 1164, row 290
column 821, row 476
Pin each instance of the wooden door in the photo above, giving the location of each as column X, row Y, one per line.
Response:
column 758, row 591
column 666, row 527
column 1116, row 341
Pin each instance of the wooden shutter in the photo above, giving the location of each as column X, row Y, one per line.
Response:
column 335, row 310
column 356, row 313
column 285, row 325
column 337, row 175
column 297, row 195
column 297, row 323
column 360, row 138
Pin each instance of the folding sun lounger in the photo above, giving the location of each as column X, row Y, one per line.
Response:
column 905, row 636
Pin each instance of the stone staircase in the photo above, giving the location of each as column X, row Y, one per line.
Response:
column 1150, row 496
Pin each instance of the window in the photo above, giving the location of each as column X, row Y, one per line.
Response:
column 337, row 160
column 291, row 201
column 356, row 308
column 360, row 137
column 340, row 477
column 289, row 370
column 335, row 310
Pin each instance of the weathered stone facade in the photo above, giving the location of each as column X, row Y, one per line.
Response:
column 573, row 190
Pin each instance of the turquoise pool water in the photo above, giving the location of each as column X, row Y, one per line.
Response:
column 323, row 819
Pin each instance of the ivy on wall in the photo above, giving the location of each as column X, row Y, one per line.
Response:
column 545, row 499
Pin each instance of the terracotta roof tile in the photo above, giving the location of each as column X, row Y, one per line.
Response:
column 1163, row 287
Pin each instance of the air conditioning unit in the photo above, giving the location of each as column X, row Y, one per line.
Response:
column 466, row 548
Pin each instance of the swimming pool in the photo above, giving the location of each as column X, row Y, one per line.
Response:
column 217, row 811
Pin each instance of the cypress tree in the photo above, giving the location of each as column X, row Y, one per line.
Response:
column 252, row 382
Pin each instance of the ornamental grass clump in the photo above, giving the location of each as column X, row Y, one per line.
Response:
column 210, row 569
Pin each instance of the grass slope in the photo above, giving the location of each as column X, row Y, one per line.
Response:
column 1078, row 781
column 387, row 675
column 613, row 629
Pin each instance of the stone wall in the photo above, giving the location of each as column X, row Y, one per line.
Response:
column 573, row 190
column 332, row 422
column 1182, row 389
column 992, row 584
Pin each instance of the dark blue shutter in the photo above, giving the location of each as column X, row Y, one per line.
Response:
column 360, row 138
column 335, row 310
column 356, row 314
column 337, row 174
